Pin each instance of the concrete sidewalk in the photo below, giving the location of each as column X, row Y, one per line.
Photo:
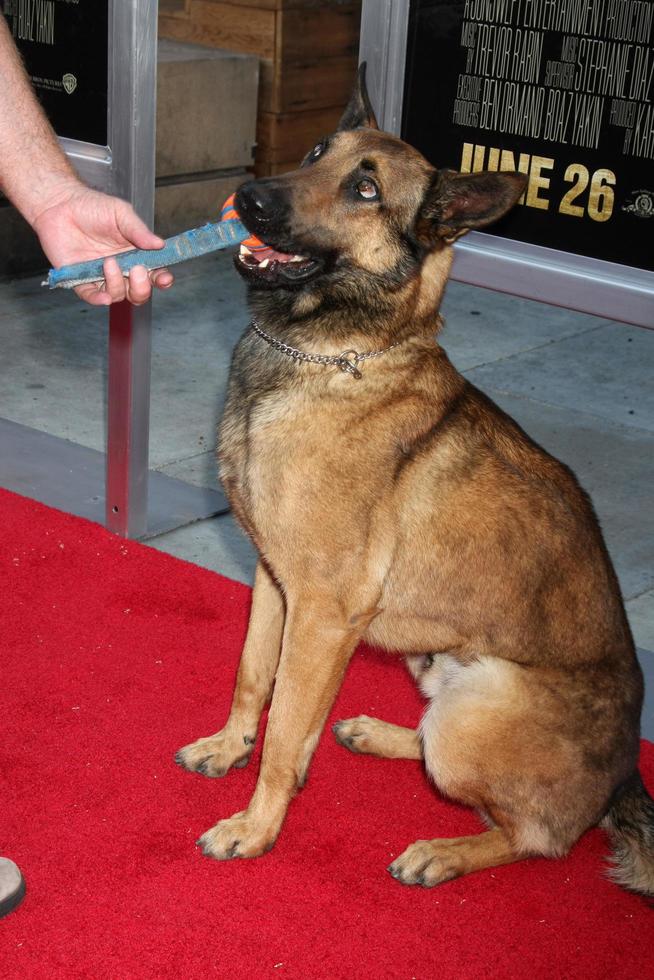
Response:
column 580, row 385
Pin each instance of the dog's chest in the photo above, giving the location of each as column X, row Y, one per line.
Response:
column 303, row 475
column 282, row 457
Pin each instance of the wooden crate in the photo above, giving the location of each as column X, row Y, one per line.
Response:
column 173, row 8
column 266, row 169
column 235, row 26
column 288, row 136
column 313, row 83
column 308, row 58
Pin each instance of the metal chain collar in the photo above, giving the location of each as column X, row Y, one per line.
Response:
column 347, row 362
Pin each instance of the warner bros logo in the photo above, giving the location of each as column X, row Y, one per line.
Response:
column 70, row 83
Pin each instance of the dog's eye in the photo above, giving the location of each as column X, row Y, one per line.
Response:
column 367, row 189
column 317, row 151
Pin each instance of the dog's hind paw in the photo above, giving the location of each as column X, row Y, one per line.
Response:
column 426, row 863
column 356, row 734
column 373, row 736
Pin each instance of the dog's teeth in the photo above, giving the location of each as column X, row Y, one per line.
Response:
column 245, row 250
column 262, row 265
column 297, row 258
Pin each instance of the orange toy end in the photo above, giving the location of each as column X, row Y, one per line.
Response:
column 229, row 213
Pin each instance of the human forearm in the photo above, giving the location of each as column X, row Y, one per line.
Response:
column 72, row 221
column 34, row 172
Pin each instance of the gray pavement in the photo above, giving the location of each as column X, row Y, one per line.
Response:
column 580, row 385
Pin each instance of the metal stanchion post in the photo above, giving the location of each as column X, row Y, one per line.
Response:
column 128, row 413
column 132, row 125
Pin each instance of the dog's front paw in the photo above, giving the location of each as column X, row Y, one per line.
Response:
column 426, row 863
column 240, row 836
column 213, row 756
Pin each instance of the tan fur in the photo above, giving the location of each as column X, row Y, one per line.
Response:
column 431, row 862
column 407, row 510
column 374, row 737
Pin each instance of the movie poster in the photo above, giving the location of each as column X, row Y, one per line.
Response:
column 64, row 44
column 561, row 90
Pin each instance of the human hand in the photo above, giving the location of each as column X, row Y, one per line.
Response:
column 86, row 224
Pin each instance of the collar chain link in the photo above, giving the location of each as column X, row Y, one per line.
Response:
column 348, row 361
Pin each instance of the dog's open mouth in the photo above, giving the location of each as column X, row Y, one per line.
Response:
column 269, row 266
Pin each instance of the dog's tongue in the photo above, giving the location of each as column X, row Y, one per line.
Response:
column 264, row 253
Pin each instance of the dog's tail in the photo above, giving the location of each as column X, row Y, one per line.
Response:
column 630, row 824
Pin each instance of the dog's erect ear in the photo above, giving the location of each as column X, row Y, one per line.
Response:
column 455, row 202
column 358, row 112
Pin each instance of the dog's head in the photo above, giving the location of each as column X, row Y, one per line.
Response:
column 362, row 214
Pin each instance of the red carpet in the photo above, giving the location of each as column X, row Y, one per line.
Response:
column 114, row 656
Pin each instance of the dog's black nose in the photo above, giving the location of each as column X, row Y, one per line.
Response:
column 257, row 198
column 260, row 199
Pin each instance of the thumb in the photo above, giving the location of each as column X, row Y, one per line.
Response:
column 135, row 230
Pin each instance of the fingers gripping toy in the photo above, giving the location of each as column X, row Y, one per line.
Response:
column 188, row 245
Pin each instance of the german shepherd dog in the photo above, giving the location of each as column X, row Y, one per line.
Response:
column 391, row 501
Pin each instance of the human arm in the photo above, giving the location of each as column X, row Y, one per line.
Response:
column 72, row 221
